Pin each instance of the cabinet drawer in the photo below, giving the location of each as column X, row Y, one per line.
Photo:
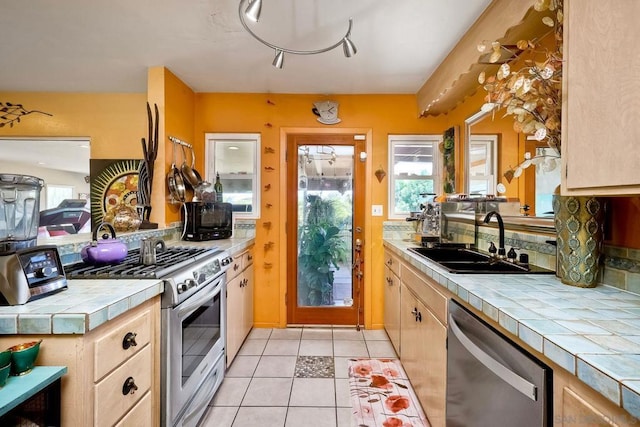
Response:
column 247, row 258
column 140, row 415
column 434, row 300
column 110, row 401
column 392, row 262
column 390, row 278
column 235, row 268
column 110, row 349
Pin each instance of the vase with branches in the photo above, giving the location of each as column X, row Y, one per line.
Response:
column 532, row 94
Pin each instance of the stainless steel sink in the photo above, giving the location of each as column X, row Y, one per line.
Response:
column 459, row 260
column 440, row 254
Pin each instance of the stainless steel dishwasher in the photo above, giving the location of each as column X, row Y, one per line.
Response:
column 491, row 381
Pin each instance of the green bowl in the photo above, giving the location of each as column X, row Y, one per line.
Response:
column 5, row 358
column 23, row 357
column 4, row 374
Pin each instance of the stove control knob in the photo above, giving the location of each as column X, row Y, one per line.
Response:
column 226, row 261
column 190, row 283
column 182, row 287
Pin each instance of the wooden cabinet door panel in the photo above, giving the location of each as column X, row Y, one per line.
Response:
column 601, row 97
column 234, row 317
column 392, row 307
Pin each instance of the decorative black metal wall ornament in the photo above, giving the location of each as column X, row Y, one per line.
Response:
column 11, row 113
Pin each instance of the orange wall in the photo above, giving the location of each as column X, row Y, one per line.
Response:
column 267, row 114
column 115, row 122
column 176, row 103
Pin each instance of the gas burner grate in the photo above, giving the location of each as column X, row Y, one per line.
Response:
column 167, row 261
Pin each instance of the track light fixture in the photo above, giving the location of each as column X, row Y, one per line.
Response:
column 252, row 12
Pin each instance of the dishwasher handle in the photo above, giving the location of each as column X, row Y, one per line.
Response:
column 504, row 373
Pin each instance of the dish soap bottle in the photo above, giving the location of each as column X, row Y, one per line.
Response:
column 218, row 188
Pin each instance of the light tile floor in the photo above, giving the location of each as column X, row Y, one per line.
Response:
column 261, row 387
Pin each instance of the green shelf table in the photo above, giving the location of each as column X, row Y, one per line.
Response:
column 42, row 379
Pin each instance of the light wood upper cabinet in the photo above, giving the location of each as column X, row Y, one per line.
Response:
column 601, row 98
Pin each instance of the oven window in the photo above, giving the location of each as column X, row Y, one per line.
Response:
column 200, row 331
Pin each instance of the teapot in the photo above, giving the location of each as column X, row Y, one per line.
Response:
column 149, row 248
column 107, row 250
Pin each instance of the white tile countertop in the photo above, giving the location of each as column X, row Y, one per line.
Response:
column 84, row 306
column 87, row 304
column 592, row 333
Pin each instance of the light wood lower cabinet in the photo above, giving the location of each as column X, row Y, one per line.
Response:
column 113, row 371
column 423, row 334
column 575, row 404
column 423, row 337
column 240, row 284
column 392, row 301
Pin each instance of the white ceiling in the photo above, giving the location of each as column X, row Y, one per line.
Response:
column 108, row 46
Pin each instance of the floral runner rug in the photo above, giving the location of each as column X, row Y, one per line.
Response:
column 382, row 396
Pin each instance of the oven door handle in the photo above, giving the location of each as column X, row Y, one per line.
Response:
column 504, row 373
column 187, row 307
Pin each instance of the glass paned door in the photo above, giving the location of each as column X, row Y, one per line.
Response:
column 325, row 221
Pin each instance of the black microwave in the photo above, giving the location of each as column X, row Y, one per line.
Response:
column 208, row 221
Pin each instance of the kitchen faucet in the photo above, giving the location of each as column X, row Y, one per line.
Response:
column 501, row 250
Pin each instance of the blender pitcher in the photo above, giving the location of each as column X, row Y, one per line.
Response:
column 19, row 212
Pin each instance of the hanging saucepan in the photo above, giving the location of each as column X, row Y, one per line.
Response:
column 191, row 177
column 193, row 166
column 174, row 180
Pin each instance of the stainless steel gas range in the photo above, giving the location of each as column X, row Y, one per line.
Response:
column 193, row 323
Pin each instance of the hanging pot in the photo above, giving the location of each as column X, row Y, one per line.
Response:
column 191, row 176
column 175, row 181
column 106, row 250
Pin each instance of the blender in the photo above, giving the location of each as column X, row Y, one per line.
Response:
column 27, row 271
column 19, row 212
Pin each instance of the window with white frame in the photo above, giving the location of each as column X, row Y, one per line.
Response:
column 414, row 166
column 482, row 164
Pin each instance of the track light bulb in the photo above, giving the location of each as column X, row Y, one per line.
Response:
column 278, row 61
column 252, row 11
column 348, row 47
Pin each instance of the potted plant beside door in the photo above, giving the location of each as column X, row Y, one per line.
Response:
column 320, row 251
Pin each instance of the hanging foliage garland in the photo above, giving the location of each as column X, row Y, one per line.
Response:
column 12, row 113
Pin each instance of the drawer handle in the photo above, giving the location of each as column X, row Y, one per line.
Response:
column 129, row 386
column 235, row 267
column 390, row 261
column 419, row 317
column 250, row 258
column 129, row 340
